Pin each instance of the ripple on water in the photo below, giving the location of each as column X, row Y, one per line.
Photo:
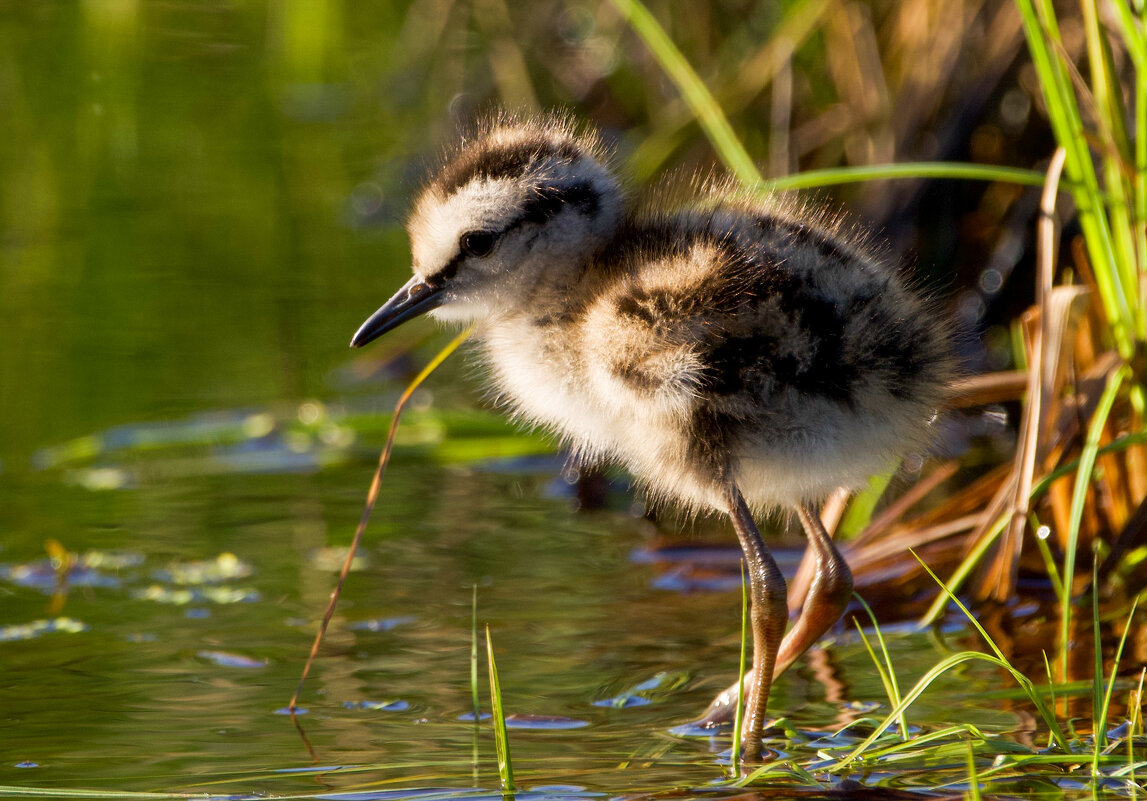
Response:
column 378, row 706
column 231, row 660
column 525, row 721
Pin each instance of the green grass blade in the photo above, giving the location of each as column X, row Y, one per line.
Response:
column 887, row 672
column 1100, row 723
column 1045, row 45
column 1042, row 532
column 963, row 570
column 973, row 779
column 775, row 770
column 704, row 106
column 739, row 717
column 860, row 507
column 1130, row 30
column 917, row 743
column 942, row 667
column 1050, row 678
column 935, row 672
column 1099, row 732
column 911, row 170
column 1024, row 682
column 1115, row 154
column 1135, row 727
column 800, row 22
column 1078, row 496
column 501, row 736
column 474, row 657
column 1133, row 37
column 1115, row 446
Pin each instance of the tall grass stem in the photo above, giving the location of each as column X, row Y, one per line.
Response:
column 700, row 100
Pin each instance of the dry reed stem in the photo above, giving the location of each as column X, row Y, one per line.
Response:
column 987, row 388
column 368, row 507
column 1000, row 576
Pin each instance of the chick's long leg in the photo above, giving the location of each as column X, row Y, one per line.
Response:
column 828, row 594
column 827, row 598
column 769, row 616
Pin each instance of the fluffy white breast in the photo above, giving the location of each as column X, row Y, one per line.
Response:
column 540, row 376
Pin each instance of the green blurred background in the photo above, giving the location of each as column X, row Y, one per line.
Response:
column 191, row 205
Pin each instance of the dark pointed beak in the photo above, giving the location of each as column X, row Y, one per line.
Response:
column 416, row 297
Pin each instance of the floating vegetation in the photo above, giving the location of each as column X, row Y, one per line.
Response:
column 331, row 558
column 225, row 567
column 310, row 437
column 378, row 706
column 196, row 581
column 44, row 576
column 38, row 628
column 381, row 624
column 519, row 720
column 231, row 660
column 182, row 596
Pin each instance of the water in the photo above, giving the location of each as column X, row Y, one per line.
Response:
column 186, row 657
column 198, row 205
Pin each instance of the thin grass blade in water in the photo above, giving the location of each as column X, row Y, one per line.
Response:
column 474, row 657
column 973, row 779
column 371, row 498
column 1100, row 724
column 1024, row 682
column 1078, row 498
column 739, row 718
column 887, row 671
column 501, row 736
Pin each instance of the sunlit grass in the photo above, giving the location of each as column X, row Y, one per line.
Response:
column 1103, row 761
column 1103, row 694
column 885, row 667
column 1083, row 479
column 700, row 100
column 1108, row 234
column 501, row 736
column 739, row 717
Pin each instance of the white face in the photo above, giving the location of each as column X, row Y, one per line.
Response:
column 534, row 235
column 437, row 226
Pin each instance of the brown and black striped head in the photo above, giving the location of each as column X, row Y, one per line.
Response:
column 512, row 211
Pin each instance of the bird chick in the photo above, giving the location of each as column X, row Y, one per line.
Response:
column 733, row 353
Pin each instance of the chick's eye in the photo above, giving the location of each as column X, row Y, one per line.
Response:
column 477, row 243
